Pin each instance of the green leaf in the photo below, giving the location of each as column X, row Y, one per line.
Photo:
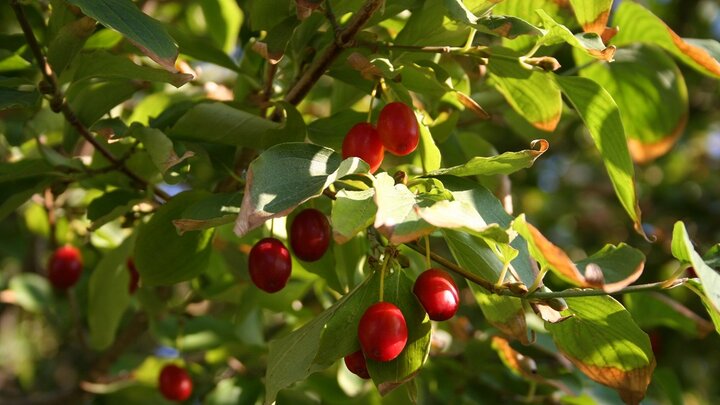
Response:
column 91, row 100
column 159, row 147
column 652, row 310
column 506, row 26
column 654, row 108
column 683, row 250
column 142, row 30
column 224, row 19
column 638, row 24
column 592, row 14
column 473, row 248
column 427, row 26
column 397, row 218
column 352, row 212
column 11, row 61
column 505, row 313
column 108, row 295
column 202, row 49
column 292, row 130
column 222, row 124
column 285, row 176
column 273, row 49
column 697, row 288
column 164, row 257
column 102, row 64
column 550, row 256
column 331, row 131
column 33, row 292
column 16, row 93
column 20, row 180
column 600, row 338
column 210, row 212
column 111, row 205
column 506, row 163
column 621, row 265
column 68, row 42
column 589, row 42
column 602, row 119
column 531, row 93
column 457, row 11
column 291, row 358
column 429, row 153
column 461, row 215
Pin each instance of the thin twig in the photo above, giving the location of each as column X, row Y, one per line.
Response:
column 59, row 104
column 317, row 69
column 267, row 91
column 542, row 295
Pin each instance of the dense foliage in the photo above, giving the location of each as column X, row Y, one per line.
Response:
column 221, row 201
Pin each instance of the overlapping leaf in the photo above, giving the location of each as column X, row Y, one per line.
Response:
column 638, row 24
column 142, row 30
column 287, row 175
column 602, row 119
column 505, row 163
column 600, row 338
column 651, row 95
column 353, row 211
column 592, row 14
column 683, row 250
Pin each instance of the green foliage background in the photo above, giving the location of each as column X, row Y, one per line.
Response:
column 197, row 124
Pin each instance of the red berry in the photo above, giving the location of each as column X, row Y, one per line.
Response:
column 269, row 265
column 437, row 293
column 175, row 383
column 310, row 235
column 134, row 276
column 364, row 142
column 382, row 332
column 355, row 362
column 65, row 267
column 398, row 129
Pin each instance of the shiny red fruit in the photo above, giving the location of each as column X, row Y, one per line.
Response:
column 355, row 362
column 437, row 293
column 269, row 265
column 398, row 129
column 175, row 383
column 382, row 332
column 364, row 142
column 134, row 276
column 310, row 235
column 65, row 267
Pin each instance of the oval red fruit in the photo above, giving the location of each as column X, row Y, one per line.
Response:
column 356, row 363
column 65, row 267
column 382, row 332
column 398, row 129
column 364, row 142
column 270, row 265
column 437, row 293
column 310, row 235
column 175, row 383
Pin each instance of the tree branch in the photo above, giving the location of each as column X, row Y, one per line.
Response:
column 59, row 104
column 318, row 68
column 544, row 295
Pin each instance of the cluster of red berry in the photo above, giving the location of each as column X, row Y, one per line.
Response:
column 382, row 330
column 397, row 131
column 269, row 262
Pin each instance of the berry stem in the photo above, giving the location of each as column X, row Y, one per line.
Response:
column 470, row 39
column 372, row 101
column 538, row 280
column 385, row 262
column 503, row 273
column 428, row 260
